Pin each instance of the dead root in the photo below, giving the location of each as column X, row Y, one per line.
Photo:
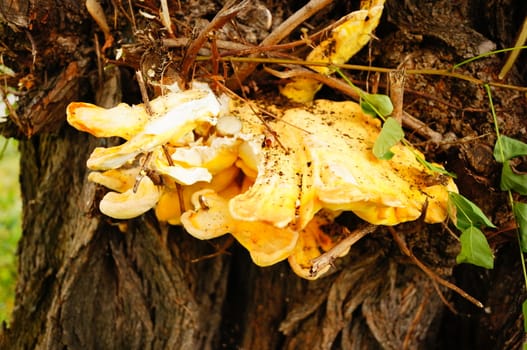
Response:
column 404, row 248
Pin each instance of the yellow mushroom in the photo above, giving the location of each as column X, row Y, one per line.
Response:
column 275, row 160
column 211, row 218
column 271, row 184
column 322, row 157
column 273, row 196
column 169, row 205
column 118, row 180
column 172, row 122
column 218, row 154
column 319, row 157
column 130, row 204
column 168, row 208
column 181, row 173
column 345, row 40
column 122, row 120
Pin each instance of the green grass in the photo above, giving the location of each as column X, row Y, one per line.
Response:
column 10, row 225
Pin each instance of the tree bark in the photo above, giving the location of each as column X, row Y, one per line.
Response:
column 88, row 282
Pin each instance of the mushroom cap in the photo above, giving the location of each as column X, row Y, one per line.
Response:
column 346, row 39
column 321, row 157
column 211, row 218
column 179, row 114
column 122, row 120
column 130, row 204
column 118, row 180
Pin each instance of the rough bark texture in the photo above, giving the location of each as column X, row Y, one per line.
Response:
column 87, row 282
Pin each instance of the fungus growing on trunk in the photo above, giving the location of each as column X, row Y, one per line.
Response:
column 272, row 184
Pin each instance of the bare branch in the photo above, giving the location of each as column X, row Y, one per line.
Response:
column 401, row 243
column 228, row 12
column 326, row 259
column 279, row 34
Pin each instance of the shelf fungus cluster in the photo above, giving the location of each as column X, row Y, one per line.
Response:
column 220, row 166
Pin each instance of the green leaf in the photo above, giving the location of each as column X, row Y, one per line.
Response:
column 475, row 249
column 376, row 104
column 510, row 148
column 391, row 134
column 512, row 181
column 466, row 213
column 524, row 311
column 520, row 214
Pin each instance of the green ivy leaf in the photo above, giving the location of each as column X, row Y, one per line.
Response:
column 512, row 181
column 475, row 249
column 391, row 134
column 510, row 147
column 376, row 104
column 520, row 214
column 466, row 213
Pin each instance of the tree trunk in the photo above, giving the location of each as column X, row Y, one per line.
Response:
column 88, row 282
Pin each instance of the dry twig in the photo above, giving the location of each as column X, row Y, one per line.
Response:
column 96, row 11
column 404, row 248
column 327, row 259
column 396, row 79
column 279, row 34
column 228, row 12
